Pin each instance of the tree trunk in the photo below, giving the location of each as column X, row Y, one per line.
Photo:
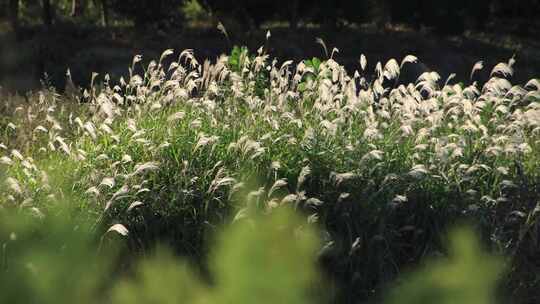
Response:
column 14, row 15
column 293, row 17
column 77, row 7
column 47, row 12
column 104, row 13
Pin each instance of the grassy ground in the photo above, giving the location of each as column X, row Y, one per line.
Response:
column 180, row 149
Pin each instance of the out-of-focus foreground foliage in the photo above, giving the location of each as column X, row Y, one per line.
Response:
column 465, row 276
column 49, row 260
column 270, row 259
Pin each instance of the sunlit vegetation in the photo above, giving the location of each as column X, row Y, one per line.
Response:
column 179, row 149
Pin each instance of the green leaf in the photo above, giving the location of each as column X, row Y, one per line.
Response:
column 316, row 62
column 466, row 276
column 270, row 260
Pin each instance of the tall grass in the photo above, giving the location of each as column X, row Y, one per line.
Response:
column 184, row 147
column 264, row 259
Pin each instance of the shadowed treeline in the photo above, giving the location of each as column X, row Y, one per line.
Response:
column 446, row 17
column 41, row 39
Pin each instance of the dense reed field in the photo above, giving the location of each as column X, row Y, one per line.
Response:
column 384, row 168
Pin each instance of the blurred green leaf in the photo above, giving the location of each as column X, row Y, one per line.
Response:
column 161, row 279
column 467, row 276
column 49, row 260
column 269, row 260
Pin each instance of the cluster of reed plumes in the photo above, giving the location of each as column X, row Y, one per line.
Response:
column 175, row 150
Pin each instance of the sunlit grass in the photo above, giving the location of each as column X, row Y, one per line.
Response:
column 175, row 152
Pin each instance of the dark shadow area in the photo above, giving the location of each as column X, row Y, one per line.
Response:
column 38, row 46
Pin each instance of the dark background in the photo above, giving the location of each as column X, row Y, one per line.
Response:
column 41, row 39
